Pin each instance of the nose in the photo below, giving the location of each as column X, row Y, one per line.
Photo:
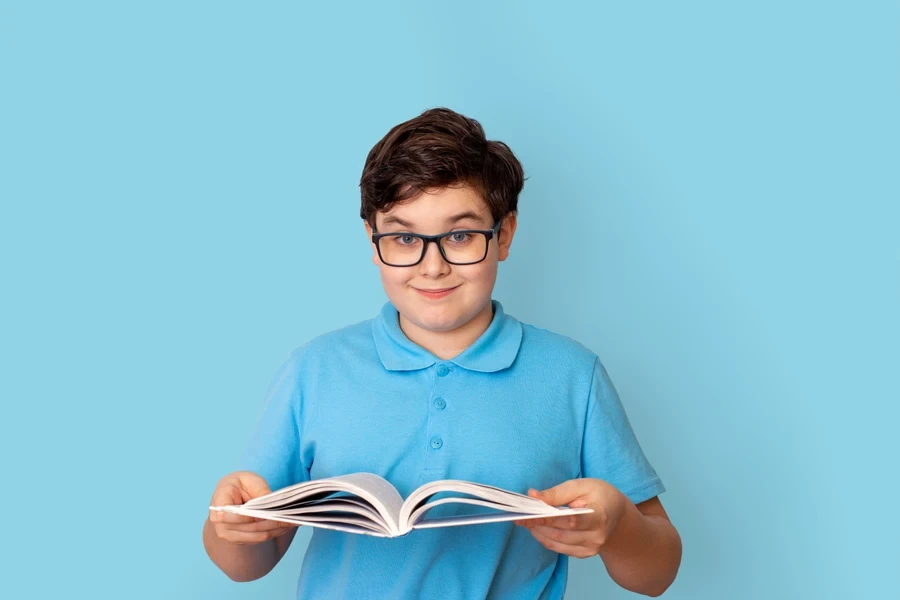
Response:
column 433, row 264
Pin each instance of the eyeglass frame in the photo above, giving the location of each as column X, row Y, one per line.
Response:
column 427, row 239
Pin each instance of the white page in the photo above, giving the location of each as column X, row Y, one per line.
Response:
column 335, row 506
column 488, row 492
column 298, row 492
column 462, row 482
column 343, row 501
column 370, row 481
column 307, row 496
column 493, row 518
column 297, row 488
column 383, row 496
column 343, row 520
column 419, row 513
column 348, row 524
column 504, row 498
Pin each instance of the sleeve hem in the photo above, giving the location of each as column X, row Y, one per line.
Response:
column 646, row 490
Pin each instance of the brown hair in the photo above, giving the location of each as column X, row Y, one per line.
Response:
column 437, row 149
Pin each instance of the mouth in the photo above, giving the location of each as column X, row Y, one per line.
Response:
column 435, row 293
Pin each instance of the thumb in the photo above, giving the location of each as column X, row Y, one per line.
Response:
column 252, row 485
column 563, row 493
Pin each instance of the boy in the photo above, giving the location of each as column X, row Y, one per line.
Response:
column 443, row 384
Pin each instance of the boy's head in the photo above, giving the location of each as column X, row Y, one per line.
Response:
column 431, row 175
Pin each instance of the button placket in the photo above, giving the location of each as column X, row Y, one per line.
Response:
column 436, row 437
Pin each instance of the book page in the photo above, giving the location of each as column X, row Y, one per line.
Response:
column 306, row 496
column 493, row 518
column 346, row 524
column 481, row 490
column 339, row 508
column 497, row 497
column 420, row 512
column 375, row 490
column 341, row 520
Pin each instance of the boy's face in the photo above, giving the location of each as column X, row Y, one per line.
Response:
column 434, row 295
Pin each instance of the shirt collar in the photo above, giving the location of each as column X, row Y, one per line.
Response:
column 494, row 350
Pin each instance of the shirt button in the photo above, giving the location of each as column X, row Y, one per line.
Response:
column 442, row 370
column 439, row 403
column 436, row 442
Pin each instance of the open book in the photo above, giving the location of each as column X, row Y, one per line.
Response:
column 368, row 504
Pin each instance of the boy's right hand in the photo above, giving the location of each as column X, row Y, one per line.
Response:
column 238, row 488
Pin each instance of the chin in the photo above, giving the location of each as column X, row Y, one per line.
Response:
column 436, row 318
column 438, row 322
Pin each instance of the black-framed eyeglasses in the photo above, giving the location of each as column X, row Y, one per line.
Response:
column 460, row 247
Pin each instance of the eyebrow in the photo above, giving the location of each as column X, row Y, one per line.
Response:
column 393, row 220
column 396, row 221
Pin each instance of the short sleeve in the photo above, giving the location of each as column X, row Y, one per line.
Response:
column 273, row 450
column 610, row 450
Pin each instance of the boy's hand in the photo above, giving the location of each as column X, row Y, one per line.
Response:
column 584, row 535
column 238, row 488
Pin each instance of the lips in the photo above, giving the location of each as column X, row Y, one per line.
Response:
column 435, row 293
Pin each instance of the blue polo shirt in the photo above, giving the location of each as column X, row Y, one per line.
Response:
column 521, row 407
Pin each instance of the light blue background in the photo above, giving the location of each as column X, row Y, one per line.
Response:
column 712, row 207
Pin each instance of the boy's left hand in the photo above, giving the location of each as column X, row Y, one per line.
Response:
column 584, row 535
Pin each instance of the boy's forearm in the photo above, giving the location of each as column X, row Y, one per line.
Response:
column 644, row 553
column 240, row 562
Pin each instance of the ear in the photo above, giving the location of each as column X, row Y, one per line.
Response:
column 375, row 260
column 507, row 231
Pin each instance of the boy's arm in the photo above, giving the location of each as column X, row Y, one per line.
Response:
column 244, row 548
column 245, row 562
column 639, row 546
column 644, row 551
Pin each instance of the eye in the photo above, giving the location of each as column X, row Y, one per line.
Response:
column 406, row 240
column 459, row 238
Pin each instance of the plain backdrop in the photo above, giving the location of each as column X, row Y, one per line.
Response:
column 711, row 206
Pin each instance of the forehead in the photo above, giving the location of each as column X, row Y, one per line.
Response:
column 437, row 207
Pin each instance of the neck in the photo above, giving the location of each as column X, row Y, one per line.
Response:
column 448, row 344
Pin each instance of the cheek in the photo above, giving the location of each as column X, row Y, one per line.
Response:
column 392, row 276
column 483, row 274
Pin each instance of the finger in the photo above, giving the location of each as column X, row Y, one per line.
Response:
column 563, row 493
column 219, row 516
column 561, row 521
column 280, row 532
column 574, row 522
column 562, row 547
column 252, row 485
column 227, row 494
column 235, row 535
column 261, row 525
column 565, row 536
column 244, row 537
